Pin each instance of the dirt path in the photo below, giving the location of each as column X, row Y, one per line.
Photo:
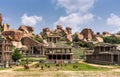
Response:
column 97, row 65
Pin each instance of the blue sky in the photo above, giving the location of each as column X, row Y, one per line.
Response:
column 99, row 15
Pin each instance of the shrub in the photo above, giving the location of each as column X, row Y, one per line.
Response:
column 111, row 39
column 16, row 55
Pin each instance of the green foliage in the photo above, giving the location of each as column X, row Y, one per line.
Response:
column 69, row 43
column 111, row 39
column 16, row 55
column 1, row 29
column 82, row 44
column 38, row 39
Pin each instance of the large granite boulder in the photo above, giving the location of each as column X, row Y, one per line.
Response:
column 106, row 34
column 13, row 35
column 59, row 30
column 5, row 27
column 18, row 44
column 99, row 39
column 46, row 31
column 68, row 30
column 27, row 30
column 79, row 36
column 88, row 34
column 0, row 19
column 68, row 34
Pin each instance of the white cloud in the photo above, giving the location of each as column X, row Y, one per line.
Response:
column 30, row 20
column 74, row 20
column 75, row 5
column 77, row 13
column 113, row 20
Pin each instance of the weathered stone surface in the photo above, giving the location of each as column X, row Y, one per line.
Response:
column 18, row 44
column 88, row 34
column 46, row 31
column 27, row 30
column 106, row 34
column 68, row 34
column 5, row 27
column 79, row 36
column 0, row 18
column 68, row 30
column 99, row 39
column 13, row 35
column 69, row 37
column 59, row 30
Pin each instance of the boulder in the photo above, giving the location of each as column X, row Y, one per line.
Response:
column 46, row 31
column 0, row 19
column 18, row 44
column 13, row 35
column 88, row 34
column 27, row 30
column 59, row 30
column 99, row 39
column 79, row 36
column 106, row 34
column 69, row 37
column 68, row 34
column 5, row 27
column 68, row 30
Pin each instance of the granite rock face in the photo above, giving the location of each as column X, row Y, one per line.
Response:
column 79, row 36
column 68, row 34
column 13, row 35
column 106, row 34
column 27, row 30
column 46, row 31
column 6, row 27
column 88, row 34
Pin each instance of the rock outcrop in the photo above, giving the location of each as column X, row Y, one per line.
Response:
column 18, row 44
column 88, row 34
column 79, row 36
column 27, row 30
column 106, row 34
column 98, row 39
column 13, row 35
column 5, row 27
column 46, row 31
column 68, row 34
column 59, row 30
column 0, row 19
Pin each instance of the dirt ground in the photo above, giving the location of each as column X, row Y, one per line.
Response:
column 113, row 72
column 60, row 74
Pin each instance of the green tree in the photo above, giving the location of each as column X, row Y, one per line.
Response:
column 112, row 40
column 16, row 55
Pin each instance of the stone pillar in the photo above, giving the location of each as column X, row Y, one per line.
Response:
column 112, row 58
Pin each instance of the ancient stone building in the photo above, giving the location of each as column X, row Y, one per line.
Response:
column 104, row 54
column 34, row 47
column 5, row 53
column 58, row 54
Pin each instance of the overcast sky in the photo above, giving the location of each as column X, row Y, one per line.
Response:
column 99, row 15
